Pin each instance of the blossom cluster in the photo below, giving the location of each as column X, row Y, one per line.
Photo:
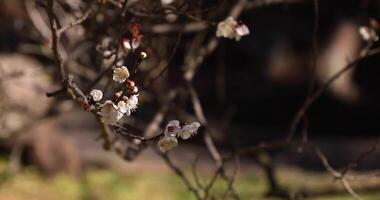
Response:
column 124, row 102
column 174, row 130
column 126, row 99
column 370, row 33
column 231, row 29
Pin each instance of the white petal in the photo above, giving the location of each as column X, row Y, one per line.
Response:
column 96, row 95
column 242, row 30
column 189, row 130
column 122, row 106
column 133, row 102
column 229, row 28
column 166, row 143
column 110, row 113
column 120, row 74
column 173, row 123
column 226, row 28
column 172, row 127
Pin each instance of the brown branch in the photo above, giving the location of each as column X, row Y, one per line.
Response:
column 313, row 80
column 209, row 143
column 335, row 173
column 233, row 177
column 55, row 39
column 79, row 20
column 364, row 155
column 309, row 101
column 213, row 179
column 180, row 174
column 124, row 131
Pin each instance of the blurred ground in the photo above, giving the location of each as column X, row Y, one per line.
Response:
column 157, row 184
column 106, row 176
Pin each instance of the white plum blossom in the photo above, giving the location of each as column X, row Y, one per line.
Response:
column 111, row 113
column 368, row 34
column 172, row 128
column 189, row 130
column 227, row 28
column 230, row 28
column 241, row 30
column 122, row 106
column 96, row 95
column 120, row 74
column 131, row 104
column 166, row 143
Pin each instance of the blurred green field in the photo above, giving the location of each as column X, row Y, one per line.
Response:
column 102, row 184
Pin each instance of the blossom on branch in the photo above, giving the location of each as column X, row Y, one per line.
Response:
column 166, row 143
column 122, row 106
column 120, row 74
column 173, row 130
column 96, row 95
column 231, row 29
column 131, row 104
column 111, row 113
column 188, row 130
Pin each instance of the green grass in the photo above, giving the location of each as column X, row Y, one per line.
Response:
column 101, row 184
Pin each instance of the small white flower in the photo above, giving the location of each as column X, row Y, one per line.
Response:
column 173, row 123
column 368, row 34
column 188, row 130
column 120, row 74
column 230, row 28
column 132, row 103
column 122, row 106
column 110, row 113
column 166, row 143
column 96, row 95
column 227, row 28
column 241, row 30
column 172, row 128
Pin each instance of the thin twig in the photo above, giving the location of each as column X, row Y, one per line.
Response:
column 335, row 173
column 308, row 103
column 180, row 174
column 56, row 39
column 195, row 173
column 79, row 20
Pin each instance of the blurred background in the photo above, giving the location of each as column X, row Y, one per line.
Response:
column 250, row 90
